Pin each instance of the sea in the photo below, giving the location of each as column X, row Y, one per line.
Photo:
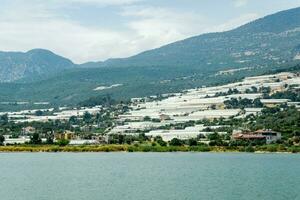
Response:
column 149, row 176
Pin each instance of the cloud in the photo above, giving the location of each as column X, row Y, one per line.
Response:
column 233, row 23
column 104, row 2
column 158, row 26
column 40, row 24
column 155, row 26
column 240, row 3
column 37, row 26
column 63, row 37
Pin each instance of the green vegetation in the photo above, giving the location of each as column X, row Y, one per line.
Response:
column 149, row 148
column 35, row 139
column 105, row 100
column 2, row 139
column 285, row 120
column 293, row 96
column 243, row 103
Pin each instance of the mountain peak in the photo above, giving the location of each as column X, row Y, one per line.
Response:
column 31, row 64
column 39, row 50
column 274, row 23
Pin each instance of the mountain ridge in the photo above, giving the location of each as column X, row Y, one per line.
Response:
column 260, row 25
column 189, row 63
column 15, row 66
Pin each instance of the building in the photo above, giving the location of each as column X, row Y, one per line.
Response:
column 28, row 130
column 268, row 135
column 273, row 102
column 83, row 142
column 9, row 140
column 164, row 117
column 67, row 135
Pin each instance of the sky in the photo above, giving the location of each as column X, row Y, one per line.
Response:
column 96, row 30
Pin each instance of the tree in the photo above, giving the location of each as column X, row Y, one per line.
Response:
column 254, row 89
column 176, row 142
column 4, row 119
column 87, row 117
column 257, row 103
column 49, row 139
column 63, row 142
column 213, row 107
column 265, row 91
column 213, row 136
column 104, row 100
column 192, row 142
column 121, row 139
column 160, row 141
column 35, row 139
column 157, row 138
column 128, row 139
column 2, row 139
column 73, row 120
column 296, row 132
column 249, row 149
column 39, row 113
column 142, row 137
column 248, row 91
column 147, row 118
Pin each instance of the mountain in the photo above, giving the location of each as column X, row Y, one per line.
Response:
column 264, row 45
column 32, row 64
column 267, row 41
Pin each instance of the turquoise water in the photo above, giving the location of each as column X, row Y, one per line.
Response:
column 149, row 176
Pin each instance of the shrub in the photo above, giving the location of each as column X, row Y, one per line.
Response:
column 176, row 142
column 249, row 149
column 63, row 142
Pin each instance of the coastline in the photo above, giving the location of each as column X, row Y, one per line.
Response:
column 145, row 148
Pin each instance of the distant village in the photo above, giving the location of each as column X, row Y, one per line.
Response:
column 208, row 115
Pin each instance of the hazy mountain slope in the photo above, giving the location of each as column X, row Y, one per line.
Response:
column 30, row 65
column 257, row 47
column 265, row 42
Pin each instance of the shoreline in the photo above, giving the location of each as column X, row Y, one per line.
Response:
column 145, row 149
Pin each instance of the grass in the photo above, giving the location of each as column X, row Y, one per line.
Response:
column 146, row 148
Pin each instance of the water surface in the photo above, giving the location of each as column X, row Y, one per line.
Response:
column 149, row 176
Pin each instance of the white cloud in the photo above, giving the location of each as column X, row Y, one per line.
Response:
column 63, row 37
column 29, row 26
column 103, row 2
column 157, row 26
column 233, row 23
column 25, row 26
column 240, row 3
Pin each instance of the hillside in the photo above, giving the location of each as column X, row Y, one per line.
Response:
column 269, row 43
column 37, row 63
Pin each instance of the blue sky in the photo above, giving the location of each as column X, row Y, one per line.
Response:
column 93, row 30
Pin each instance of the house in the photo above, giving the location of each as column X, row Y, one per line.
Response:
column 268, row 135
column 273, row 102
column 83, row 142
column 164, row 117
column 67, row 135
column 28, row 130
column 101, row 139
column 14, row 141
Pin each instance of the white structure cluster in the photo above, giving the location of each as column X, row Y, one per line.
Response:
column 198, row 104
column 63, row 113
